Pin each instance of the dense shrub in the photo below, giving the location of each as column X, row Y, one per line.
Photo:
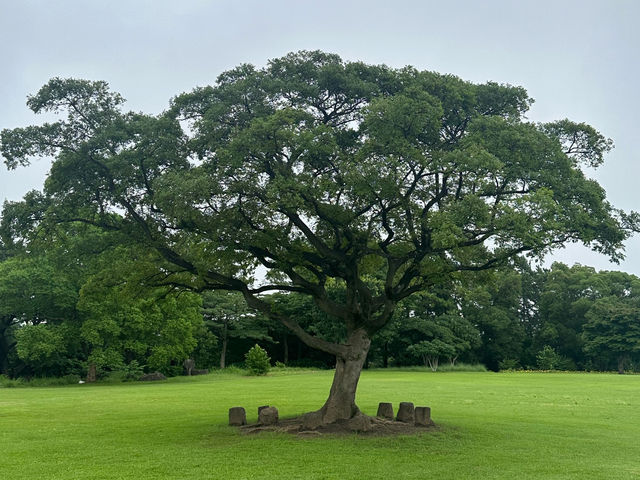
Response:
column 257, row 360
column 509, row 364
column 131, row 371
column 548, row 358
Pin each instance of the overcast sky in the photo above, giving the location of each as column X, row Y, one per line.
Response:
column 578, row 59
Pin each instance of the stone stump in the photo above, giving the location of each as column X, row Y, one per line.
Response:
column 385, row 410
column 268, row 416
column 423, row 416
column 406, row 412
column 237, row 416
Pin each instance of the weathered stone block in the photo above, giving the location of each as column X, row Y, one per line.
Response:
column 385, row 410
column 237, row 416
column 262, row 408
column 268, row 416
column 423, row 416
column 406, row 412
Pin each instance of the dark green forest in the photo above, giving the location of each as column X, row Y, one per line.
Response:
column 86, row 299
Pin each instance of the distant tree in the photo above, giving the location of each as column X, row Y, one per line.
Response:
column 464, row 336
column 567, row 295
column 548, row 358
column 124, row 321
column 492, row 304
column 33, row 292
column 431, row 326
column 612, row 329
column 431, row 351
column 43, row 348
column 227, row 314
column 314, row 169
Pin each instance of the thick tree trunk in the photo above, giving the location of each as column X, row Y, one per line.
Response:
column 341, row 404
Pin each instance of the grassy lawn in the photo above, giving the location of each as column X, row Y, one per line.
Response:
column 506, row 425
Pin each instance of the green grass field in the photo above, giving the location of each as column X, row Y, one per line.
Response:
column 506, row 425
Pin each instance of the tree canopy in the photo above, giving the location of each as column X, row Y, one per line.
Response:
column 320, row 172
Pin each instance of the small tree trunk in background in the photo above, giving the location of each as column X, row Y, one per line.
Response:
column 385, row 355
column 5, row 345
column 91, row 374
column 4, row 357
column 286, row 350
column 621, row 360
column 341, row 404
column 433, row 363
column 223, row 352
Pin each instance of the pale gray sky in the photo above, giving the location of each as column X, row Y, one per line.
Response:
column 577, row 58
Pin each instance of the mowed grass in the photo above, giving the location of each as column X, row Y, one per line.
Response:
column 506, row 425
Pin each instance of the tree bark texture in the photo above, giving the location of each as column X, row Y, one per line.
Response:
column 341, row 404
column 223, row 352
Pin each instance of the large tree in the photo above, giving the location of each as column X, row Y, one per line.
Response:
column 317, row 170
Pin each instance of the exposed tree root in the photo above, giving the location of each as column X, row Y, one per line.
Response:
column 360, row 424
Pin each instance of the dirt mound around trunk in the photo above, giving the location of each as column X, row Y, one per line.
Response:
column 361, row 424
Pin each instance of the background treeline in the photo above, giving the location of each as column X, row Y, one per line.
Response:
column 79, row 298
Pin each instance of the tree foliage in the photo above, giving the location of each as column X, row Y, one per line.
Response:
column 227, row 314
column 612, row 328
column 257, row 360
column 321, row 172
